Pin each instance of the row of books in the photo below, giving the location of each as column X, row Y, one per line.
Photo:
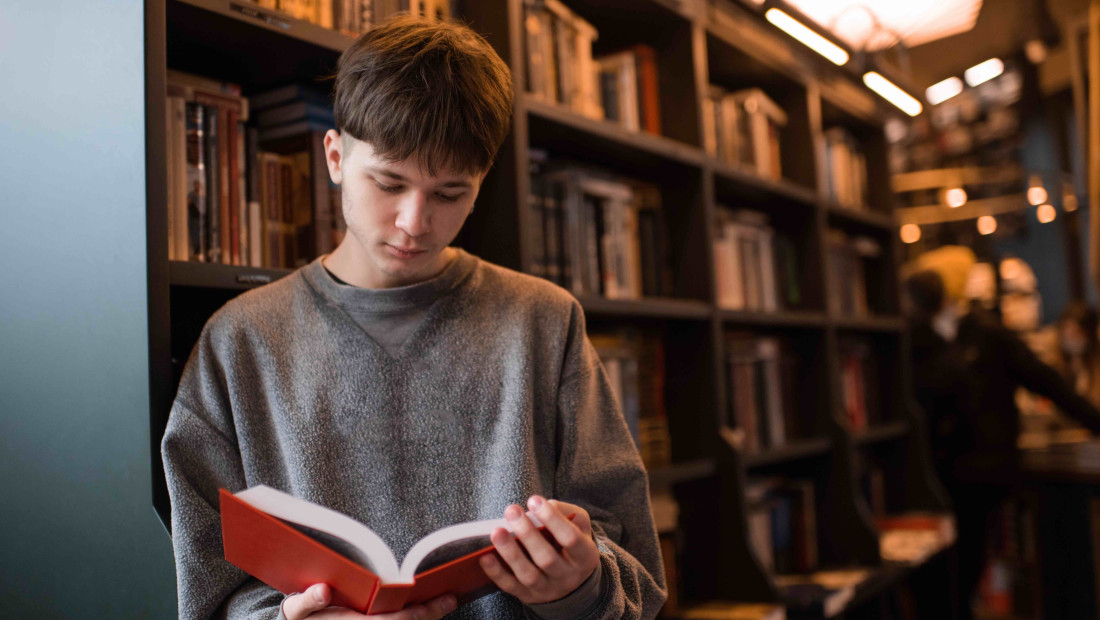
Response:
column 354, row 17
column 762, row 381
column 597, row 234
column 783, row 524
column 232, row 201
column 742, row 129
column 756, row 269
column 1011, row 583
column 848, row 259
column 620, row 87
column 859, row 385
column 845, row 169
column 635, row 366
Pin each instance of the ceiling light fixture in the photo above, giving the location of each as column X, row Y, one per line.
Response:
column 942, row 91
column 984, row 71
column 987, row 224
column 806, row 36
column 955, row 197
column 1046, row 214
column 891, row 92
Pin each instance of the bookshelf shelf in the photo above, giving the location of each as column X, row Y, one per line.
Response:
column 211, row 275
column 882, row 432
column 773, row 319
column 863, row 217
column 794, row 451
column 566, row 133
column 682, row 472
column 251, row 15
column 647, row 307
column 755, row 186
column 885, row 324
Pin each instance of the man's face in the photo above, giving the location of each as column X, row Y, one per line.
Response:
column 400, row 220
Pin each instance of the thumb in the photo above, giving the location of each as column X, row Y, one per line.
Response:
column 299, row 606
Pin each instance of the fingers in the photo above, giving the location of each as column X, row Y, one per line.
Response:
column 315, row 598
column 504, row 580
column 581, row 518
column 508, row 546
column 542, row 553
column 574, row 542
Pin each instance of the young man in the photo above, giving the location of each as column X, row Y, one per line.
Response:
column 409, row 384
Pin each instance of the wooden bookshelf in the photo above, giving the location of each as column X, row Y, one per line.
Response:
column 235, row 41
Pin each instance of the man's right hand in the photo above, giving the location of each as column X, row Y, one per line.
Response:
column 314, row 604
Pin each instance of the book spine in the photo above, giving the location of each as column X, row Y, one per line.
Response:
column 233, row 191
column 213, row 186
column 196, row 181
column 241, row 177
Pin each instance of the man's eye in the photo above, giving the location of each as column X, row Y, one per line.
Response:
column 392, row 189
column 449, row 198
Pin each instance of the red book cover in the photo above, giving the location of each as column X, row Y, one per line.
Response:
column 260, row 536
column 648, row 93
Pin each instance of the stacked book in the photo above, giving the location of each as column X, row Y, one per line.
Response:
column 354, row 17
column 845, row 169
column 635, row 368
column 560, row 68
column 762, row 383
column 598, row 234
column 859, row 385
column 208, row 190
column 848, row 257
column 914, row 537
column 742, row 129
column 755, row 268
column 783, row 524
column 824, row 594
column 628, row 88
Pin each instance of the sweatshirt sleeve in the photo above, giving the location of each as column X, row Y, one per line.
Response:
column 1037, row 377
column 599, row 469
column 201, row 455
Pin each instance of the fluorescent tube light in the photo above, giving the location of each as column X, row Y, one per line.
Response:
column 890, row 92
column 942, row 91
column 807, row 36
column 984, row 71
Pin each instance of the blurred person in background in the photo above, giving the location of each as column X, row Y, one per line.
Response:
column 966, row 369
column 1079, row 350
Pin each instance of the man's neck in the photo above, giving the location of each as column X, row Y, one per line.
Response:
column 344, row 263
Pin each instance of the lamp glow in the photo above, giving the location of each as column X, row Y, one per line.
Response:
column 890, row 92
column 1036, row 193
column 1046, row 214
column 955, row 197
column 942, row 91
column 1069, row 202
column 984, row 71
column 807, row 36
column 910, row 233
column 987, row 224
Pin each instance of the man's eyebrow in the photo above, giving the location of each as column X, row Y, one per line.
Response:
column 397, row 177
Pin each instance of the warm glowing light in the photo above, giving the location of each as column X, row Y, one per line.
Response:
column 984, row 71
column 942, row 91
column 1069, row 202
column 1036, row 193
column 987, row 224
column 955, row 197
column 807, row 36
column 910, row 233
column 1010, row 269
column 1046, row 214
column 890, row 92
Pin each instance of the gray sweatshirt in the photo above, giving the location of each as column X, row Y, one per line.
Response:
column 494, row 394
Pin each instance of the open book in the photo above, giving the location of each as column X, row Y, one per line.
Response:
column 291, row 544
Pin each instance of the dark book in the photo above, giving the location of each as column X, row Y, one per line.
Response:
column 296, row 111
column 213, row 186
column 288, row 94
column 196, row 181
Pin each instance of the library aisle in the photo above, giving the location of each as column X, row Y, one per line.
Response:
column 839, row 262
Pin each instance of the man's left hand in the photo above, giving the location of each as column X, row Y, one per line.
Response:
column 539, row 573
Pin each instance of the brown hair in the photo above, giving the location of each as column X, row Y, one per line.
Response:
column 432, row 89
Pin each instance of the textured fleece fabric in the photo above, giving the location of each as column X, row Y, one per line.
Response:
column 496, row 394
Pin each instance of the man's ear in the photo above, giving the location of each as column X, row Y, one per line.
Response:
column 334, row 155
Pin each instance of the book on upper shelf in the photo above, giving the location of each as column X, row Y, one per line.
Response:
column 756, row 268
column 845, row 169
column 859, row 384
column 635, row 367
column 597, row 233
column 290, row 544
column 762, row 382
column 783, row 524
column 354, row 17
column 628, row 88
column 729, row 610
column 742, row 129
column 560, row 68
column 848, row 257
